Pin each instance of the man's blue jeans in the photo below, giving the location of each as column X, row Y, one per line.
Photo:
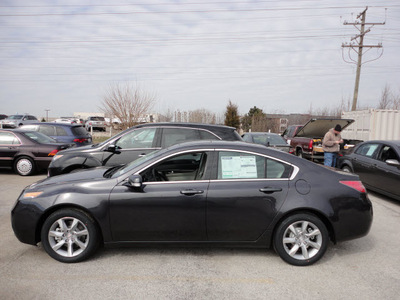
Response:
column 330, row 159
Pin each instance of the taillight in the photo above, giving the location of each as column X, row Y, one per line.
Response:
column 357, row 185
column 310, row 144
column 52, row 153
column 80, row 140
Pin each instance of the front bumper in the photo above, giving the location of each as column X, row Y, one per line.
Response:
column 25, row 218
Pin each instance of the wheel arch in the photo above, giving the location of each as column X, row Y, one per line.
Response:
column 347, row 163
column 314, row 212
column 66, row 206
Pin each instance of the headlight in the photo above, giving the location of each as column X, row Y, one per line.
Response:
column 31, row 195
column 57, row 156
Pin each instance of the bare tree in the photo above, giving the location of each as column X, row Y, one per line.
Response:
column 396, row 102
column 386, row 98
column 167, row 116
column 127, row 102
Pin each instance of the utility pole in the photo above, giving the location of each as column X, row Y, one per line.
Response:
column 357, row 45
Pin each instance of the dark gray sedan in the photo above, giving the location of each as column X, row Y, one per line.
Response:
column 208, row 193
column 268, row 139
column 378, row 165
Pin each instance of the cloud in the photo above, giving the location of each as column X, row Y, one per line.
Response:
column 271, row 54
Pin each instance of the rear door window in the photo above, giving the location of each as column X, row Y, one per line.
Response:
column 47, row 130
column 61, row 131
column 7, row 138
column 139, row 138
column 238, row 165
column 172, row 136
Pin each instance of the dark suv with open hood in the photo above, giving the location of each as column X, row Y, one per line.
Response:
column 135, row 142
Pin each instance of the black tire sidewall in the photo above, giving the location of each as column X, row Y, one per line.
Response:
column 84, row 218
column 278, row 237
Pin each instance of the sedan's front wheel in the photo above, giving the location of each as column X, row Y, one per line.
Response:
column 69, row 235
column 301, row 239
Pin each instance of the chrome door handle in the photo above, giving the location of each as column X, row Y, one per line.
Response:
column 191, row 192
column 269, row 190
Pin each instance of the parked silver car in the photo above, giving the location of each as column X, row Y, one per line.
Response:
column 96, row 122
column 15, row 121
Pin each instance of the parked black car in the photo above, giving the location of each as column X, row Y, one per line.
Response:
column 27, row 151
column 211, row 193
column 378, row 165
column 62, row 133
column 268, row 139
column 135, row 142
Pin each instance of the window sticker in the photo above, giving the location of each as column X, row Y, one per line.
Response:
column 371, row 150
column 238, row 167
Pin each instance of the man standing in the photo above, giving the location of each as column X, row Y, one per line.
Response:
column 331, row 145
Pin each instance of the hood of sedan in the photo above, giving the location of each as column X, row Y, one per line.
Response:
column 80, row 176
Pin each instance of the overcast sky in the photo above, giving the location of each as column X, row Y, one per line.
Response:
column 281, row 56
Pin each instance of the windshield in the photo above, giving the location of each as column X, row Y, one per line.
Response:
column 135, row 163
column 267, row 138
column 39, row 137
column 15, row 117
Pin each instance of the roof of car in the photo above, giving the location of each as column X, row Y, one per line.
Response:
column 182, row 124
column 392, row 142
column 261, row 133
column 215, row 144
column 54, row 124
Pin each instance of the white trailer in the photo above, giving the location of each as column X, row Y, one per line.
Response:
column 372, row 124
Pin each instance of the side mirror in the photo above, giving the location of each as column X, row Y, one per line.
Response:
column 393, row 162
column 111, row 148
column 135, row 181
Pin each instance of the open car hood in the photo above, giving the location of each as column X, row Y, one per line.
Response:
column 316, row 128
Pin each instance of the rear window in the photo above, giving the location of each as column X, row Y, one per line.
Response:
column 97, row 119
column 39, row 137
column 79, row 131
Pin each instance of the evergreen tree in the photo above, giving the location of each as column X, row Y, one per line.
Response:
column 231, row 115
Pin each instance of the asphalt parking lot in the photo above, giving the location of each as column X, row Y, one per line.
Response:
column 366, row 268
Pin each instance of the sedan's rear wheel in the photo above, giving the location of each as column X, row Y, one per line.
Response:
column 301, row 239
column 299, row 153
column 24, row 166
column 69, row 235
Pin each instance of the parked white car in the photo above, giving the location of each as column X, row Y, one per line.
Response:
column 67, row 120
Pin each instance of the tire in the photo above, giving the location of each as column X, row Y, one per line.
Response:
column 347, row 169
column 301, row 239
column 299, row 153
column 24, row 166
column 70, row 235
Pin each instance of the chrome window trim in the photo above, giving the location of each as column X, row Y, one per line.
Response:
column 175, row 181
column 296, row 169
column 183, row 127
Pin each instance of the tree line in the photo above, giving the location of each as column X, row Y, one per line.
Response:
column 130, row 102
